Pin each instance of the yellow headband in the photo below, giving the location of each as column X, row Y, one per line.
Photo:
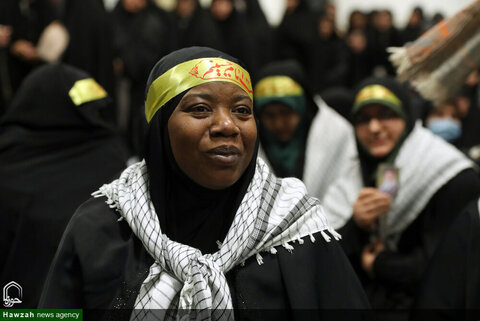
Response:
column 377, row 92
column 277, row 86
column 380, row 95
column 190, row 74
column 86, row 90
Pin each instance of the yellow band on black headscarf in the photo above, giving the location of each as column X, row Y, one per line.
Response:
column 277, row 86
column 86, row 90
column 378, row 94
column 190, row 74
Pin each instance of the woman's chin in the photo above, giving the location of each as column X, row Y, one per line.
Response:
column 380, row 152
column 218, row 182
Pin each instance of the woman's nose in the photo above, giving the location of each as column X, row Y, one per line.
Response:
column 374, row 125
column 223, row 124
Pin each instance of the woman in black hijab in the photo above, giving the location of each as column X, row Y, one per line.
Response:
column 90, row 46
column 191, row 220
column 194, row 26
column 28, row 20
column 296, row 33
column 450, row 289
column 54, row 151
column 142, row 35
column 391, row 227
column 261, row 33
column 232, row 26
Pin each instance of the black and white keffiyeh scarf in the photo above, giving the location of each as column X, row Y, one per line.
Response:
column 273, row 212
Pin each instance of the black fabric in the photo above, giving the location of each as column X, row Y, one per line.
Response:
column 470, row 130
column 29, row 19
column 450, row 289
column 294, row 70
column 327, row 62
column 295, row 34
column 341, row 99
column 91, row 43
column 235, row 39
column 379, row 41
column 368, row 163
column 397, row 274
column 105, row 267
column 140, row 40
column 7, row 9
column 261, row 35
column 196, row 30
column 360, row 64
column 188, row 213
column 8, row 12
column 53, row 155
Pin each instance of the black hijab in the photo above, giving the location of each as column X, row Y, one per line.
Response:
column 233, row 32
column 42, row 107
column 196, row 30
column 369, row 164
column 189, row 213
column 91, row 42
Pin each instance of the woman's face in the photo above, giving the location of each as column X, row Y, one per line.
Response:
column 185, row 8
column 213, row 133
column 378, row 128
column 221, row 9
column 134, row 6
column 280, row 120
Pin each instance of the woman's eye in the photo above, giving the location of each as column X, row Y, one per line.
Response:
column 243, row 110
column 199, row 109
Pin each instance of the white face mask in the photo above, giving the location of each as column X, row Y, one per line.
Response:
column 448, row 128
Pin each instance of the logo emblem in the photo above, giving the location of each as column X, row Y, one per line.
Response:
column 12, row 294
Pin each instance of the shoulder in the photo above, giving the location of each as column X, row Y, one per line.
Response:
column 95, row 224
column 466, row 181
column 93, row 212
column 321, row 269
column 330, row 116
column 104, row 245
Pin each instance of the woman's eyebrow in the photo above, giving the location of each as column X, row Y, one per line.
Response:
column 239, row 97
column 208, row 96
column 200, row 95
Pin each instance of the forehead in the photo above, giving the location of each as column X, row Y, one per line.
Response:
column 277, row 107
column 372, row 109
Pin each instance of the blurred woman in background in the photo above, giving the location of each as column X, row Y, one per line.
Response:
column 54, row 151
column 390, row 237
column 301, row 136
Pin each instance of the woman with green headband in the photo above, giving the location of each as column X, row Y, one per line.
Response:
column 201, row 226
column 300, row 136
column 398, row 197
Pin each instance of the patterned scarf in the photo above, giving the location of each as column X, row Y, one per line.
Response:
column 185, row 282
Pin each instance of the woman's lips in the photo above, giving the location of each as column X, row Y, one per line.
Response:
column 225, row 155
column 378, row 142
